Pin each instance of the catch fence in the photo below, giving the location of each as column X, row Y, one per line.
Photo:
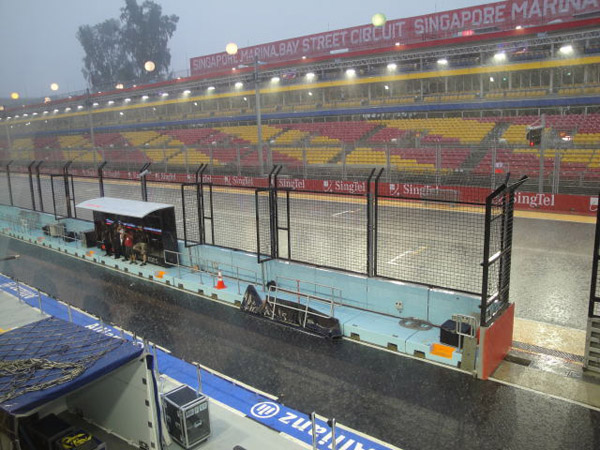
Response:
column 449, row 238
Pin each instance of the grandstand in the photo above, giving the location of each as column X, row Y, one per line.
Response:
column 447, row 104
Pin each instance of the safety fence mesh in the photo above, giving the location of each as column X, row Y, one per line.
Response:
column 21, row 190
column 192, row 214
column 432, row 243
column 4, row 188
column 234, row 218
column 329, row 230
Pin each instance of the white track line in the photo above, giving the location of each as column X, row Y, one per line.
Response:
column 343, row 212
column 408, row 252
column 544, row 394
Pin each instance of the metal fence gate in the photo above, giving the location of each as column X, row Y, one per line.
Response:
column 497, row 251
column 63, row 198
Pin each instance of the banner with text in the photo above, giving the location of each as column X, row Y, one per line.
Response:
column 499, row 16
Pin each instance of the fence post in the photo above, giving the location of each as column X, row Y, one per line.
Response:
column 369, row 225
column 31, row 190
column 101, row 178
column 67, row 190
column 39, row 183
column 304, row 160
column 143, row 172
column 10, row 193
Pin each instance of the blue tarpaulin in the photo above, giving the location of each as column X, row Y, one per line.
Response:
column 44, row 360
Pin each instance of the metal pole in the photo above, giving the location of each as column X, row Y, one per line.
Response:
column 8, row 141
column 494, row 161
column 91, row 121
column 313, row 420
column 258, row 118
column 70, row 314
column 10, row 193
column 331, row 423
column 199, row 376
column 18, row 289
column 556, row 175
column 39, row 183
column 542, row 151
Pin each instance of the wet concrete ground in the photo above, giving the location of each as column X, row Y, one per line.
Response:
column 409, row 403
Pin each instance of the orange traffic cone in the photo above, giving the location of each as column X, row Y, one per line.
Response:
column 220, row 283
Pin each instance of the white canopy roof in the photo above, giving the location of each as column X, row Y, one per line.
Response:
column 122, row 207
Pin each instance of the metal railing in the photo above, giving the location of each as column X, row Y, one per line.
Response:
column 302, row 300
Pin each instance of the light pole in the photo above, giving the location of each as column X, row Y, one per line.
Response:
column 258, row 115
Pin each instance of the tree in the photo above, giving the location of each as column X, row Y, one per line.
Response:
column 105, row 59
column 116, row 50
column 146, row 33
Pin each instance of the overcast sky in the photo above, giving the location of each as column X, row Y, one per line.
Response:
column 38, row 43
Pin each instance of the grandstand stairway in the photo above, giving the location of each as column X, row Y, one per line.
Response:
column 369, row 134
column 475, row 157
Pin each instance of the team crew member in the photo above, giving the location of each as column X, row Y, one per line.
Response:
column 128, row 245
column 141, row 247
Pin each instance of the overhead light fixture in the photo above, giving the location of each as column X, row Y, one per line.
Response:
column 491, row 79
column 95, row 104
column 442, row 62
column 111, row 102
column 304, row 57
column 79, row 106
column 309, row 94
column 145, row 97
column 34, row 114
column 210, row 88
column 164, row 94
column 392, row 66
column 386, row 87
column 245, row 99
column 350, row 72
column 518, row 27
column 231, row 48
column 67, row 109
column 397, row 44
column 566, row 49
column 500, row 56
column 121, row 113
column 239, row 85
column 275, row 80
column 310, row 76
column 127, row 100
column 119, row 86
column 187, row 92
